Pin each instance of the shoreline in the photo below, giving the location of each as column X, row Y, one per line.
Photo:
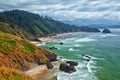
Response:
column 40, row 72
column 44, row 40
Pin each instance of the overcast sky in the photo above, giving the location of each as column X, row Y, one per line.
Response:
column 67, row 9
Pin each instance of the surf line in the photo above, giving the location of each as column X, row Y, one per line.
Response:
column 88, row 67
column 87, row 58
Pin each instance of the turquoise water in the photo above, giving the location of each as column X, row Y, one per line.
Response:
column 103, row 48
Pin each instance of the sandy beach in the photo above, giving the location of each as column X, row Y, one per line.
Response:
column 47, row 39
column 41, row 72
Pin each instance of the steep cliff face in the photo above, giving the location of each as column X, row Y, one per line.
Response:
column 15, row 52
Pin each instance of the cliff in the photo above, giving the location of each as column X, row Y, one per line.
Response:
column 16, row 53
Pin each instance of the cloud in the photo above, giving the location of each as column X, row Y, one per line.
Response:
column 67, row 9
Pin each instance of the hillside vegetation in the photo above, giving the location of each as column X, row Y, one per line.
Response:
column 16, row 53
column 12, row 74
column 31, row 25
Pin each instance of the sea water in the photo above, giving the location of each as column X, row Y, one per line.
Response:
column 104, row 50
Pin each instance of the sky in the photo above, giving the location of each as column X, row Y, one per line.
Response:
column 67, row 9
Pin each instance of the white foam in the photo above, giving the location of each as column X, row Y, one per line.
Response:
column 85, row 40
column 94, row 58
column 81, row 74
column 77, row 45
column 71, row 49
column 90, row 66
column 108, row 35
column 58, row 48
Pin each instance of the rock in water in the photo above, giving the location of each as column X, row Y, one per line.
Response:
column 87, row 57
column 67, row 68
column 49, row 65
column 106, row 31
column 53, row 48
column 72, row 63
column 61, row 43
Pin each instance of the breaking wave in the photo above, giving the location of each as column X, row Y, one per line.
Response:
column 86, row 39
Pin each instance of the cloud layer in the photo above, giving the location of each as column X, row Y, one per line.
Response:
column 67, row 9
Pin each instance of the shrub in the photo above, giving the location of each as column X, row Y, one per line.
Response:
column 12, row 74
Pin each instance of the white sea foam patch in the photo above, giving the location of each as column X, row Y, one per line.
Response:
column 71, row 49
column 67, row 40
column 70, row 39
column 93, row 58
column 81, row 74
column 90, row 66
column 108, row 35
column 77, row 45
column 86, row 39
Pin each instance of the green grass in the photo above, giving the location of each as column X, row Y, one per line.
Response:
column 6, row 44
column 10, row 42
column 13, row 51
column 28, row 48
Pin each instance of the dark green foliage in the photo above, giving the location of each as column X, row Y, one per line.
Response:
column 29, row 25
column 33, row 24
column 89, row 29
column 6, row 44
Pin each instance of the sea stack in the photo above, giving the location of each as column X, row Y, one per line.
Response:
column 67, row 68
column 106, row 31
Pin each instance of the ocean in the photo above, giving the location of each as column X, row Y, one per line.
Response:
column 104, row 50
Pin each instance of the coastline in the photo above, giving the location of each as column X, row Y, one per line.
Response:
column 41, row 72
column 44, row 40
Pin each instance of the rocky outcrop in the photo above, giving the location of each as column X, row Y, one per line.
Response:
column 17, row 52
column 52, row 57
column 86, row 57
column 61, row 43
column 37, row 60
column 53, row 48
column 49, row 65
column 67, row 68
column 106, row 31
